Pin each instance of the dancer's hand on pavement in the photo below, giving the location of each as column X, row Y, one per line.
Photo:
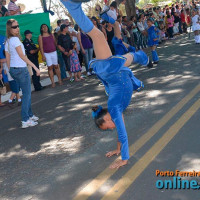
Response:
column 112, row 153
column 118, row 164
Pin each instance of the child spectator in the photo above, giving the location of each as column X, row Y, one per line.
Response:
column 112, row 10
column 14, row 87
column 153, row 40
column 188, row 18
column 162, row 32
column 13, row 8
column 176, row 23
column 183, row 21
column 140, row 25
column 170, row 24
column 75, row 65
column 196, row 25
column 135, row 31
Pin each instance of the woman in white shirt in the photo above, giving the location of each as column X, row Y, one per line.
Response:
column 196, row 25
column 17, row 64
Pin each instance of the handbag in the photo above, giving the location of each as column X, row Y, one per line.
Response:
column 2, row 88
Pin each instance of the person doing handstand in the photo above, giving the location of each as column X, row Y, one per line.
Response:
column 113, row 71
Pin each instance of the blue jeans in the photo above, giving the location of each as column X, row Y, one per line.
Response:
column 88, row 56
column 22, row 77
column 62, row 66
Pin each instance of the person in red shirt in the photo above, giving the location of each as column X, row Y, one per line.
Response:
column 188, row 17
column 183, row 21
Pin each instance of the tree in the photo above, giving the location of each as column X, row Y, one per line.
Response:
column 130, row 6
column 62, row 12
column 155, row 2
column 143, row 3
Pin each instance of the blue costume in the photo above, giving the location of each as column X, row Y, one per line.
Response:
column 2, row 56
column 120, row 49
column 118, row 79
column 121, row 83
column 153, row 34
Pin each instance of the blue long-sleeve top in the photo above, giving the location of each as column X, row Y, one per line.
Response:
column 120, row 82
column 153, row 34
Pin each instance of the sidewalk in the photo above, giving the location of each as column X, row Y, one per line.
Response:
column 44, row 80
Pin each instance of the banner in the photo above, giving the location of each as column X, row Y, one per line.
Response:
column 30, row 22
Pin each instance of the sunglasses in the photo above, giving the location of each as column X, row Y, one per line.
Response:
column 15, row 27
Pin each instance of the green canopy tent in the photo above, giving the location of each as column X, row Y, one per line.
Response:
column 30, row 22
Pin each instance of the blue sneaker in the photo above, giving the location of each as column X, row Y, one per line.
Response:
column 106, row 17
column 75, row 10
column 140, row 88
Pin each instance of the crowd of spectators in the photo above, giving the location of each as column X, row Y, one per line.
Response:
column 13, row 8
column 170, row 21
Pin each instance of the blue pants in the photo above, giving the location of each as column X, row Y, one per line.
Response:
column 5, row 78
column 62, row 66
column 142, row 41
column 22, row 77
column 155, row 57
column 88, row 57
column 121, row 90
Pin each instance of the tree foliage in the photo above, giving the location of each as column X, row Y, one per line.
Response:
column 156, row 2
column 89, row 8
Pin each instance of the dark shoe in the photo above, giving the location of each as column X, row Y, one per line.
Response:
column 155, row 63
column 19, row 103
column 11, row 105
column 36, row 90
column 39, row 89
column 150, row 65
column 141, row 87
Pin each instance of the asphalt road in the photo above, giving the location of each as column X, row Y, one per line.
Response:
column 63, row 158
